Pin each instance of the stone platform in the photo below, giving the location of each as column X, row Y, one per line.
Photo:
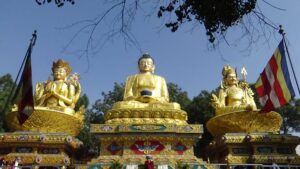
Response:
column 38, row 149
column 254, row 148
column 130, row 143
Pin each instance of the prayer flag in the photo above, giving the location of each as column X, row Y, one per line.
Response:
column 274, row 86
column 23, row 96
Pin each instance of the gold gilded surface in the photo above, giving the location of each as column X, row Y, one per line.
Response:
column 234, row 95
column 232, row 138
column 237, row 159
column 145, row 90
column 45, row 119
column 249, row 121
column 146, row 116
column 61, row 91
column 279, row 159
column 55, row 101
column 34, row 148
column 39, row 159
column 36, row 139
column 146, row 128
column 256, row 148
column 140, row 159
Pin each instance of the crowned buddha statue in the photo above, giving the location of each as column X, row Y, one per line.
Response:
column 234, row 95
column 235, row 108
column 145, row 97
column 62, row 92
column 54, row 103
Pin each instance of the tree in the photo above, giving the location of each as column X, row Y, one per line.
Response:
column 177, row 95
column 199, row 112
column 290, row 114
column 217, row 16
column 6, row 85
column 82, row 101
column 103, row 105
column 90, row 147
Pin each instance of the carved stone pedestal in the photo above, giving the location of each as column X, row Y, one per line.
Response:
column 254, row 148
column 128, row 144
column 38, row 149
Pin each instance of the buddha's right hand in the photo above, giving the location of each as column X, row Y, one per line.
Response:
column 215, row 101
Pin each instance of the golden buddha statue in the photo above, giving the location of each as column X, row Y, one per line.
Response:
column 234, row 95
column 61, row 92
column 55, row 101
column 146, row 89
column 235, row 109
column 146, row 99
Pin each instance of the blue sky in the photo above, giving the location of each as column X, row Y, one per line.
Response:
column 184, row 57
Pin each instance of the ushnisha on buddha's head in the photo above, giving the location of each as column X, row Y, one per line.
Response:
column 229, row 75
column 60, row 69
column 146, row 64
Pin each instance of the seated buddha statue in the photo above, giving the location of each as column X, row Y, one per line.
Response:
column 145, row 89
column 235, row 109
column 60, row 93
column 234, row 95
column 54, row 103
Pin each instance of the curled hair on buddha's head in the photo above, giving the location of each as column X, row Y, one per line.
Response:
column 145, row 56
column 61, row 64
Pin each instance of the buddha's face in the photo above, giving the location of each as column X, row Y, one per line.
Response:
column 146, row 65
column 231, row 79
column 60, row 73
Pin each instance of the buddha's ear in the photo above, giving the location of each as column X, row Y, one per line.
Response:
column 153, row 68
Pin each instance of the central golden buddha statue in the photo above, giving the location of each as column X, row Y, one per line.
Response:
column 146, row 99
column 235, row 108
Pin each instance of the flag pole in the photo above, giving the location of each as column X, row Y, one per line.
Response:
column 32, row 43
column 281, row 31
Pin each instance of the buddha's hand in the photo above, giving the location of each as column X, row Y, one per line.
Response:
column 39, row 90
column 215, row 101
column 52, row 90
column 146, row 99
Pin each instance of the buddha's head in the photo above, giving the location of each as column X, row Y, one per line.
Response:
column 146, row 64
column 60, row 69
column 229, row 75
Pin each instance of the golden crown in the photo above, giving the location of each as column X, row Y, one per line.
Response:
column 61, row 64
column 227, row 70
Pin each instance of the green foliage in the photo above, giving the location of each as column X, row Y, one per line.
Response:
column 216, row 15
column 83, row 101
column 181, row 165
column 90, row 147
column 103, row 105
column 200, row 109
column 177, row 95
column 116, row 165
column 199, row 112
column 290, row 114
column 6, row 84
